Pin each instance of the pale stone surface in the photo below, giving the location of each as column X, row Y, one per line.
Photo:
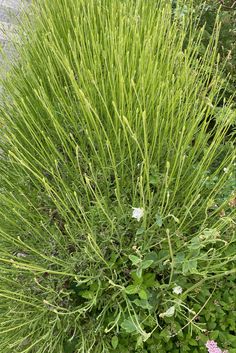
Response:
column 14, row 4
column 9, row 15
column 6, row 31
column 8, row 12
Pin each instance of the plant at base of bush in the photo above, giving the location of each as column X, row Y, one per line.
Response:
column 107, row 110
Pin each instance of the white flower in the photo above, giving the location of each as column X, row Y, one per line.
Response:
column 21, row 254
column 226, row 170
column 177, row 290
column 169, row 312
column 137, row 213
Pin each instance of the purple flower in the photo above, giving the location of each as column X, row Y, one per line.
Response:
column 213, row 348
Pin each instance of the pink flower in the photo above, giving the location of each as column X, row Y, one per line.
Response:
column 213, row 348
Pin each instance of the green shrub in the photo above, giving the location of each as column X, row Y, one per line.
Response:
column 208, row 12
column 107, row 109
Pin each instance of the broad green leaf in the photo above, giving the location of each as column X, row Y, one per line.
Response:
column 134, row 259
column 162, row 254
column 146, row 264
column 143, row 294
column 185, row 267
column 114, row 342
column 169, row 312
column 142, row 303
column 140, row 231
column 87, row 294
column 137, row 280
column 159, row 220
column 139, row 272
column 131, row 289
column 195, row 243
column 149, row 280
column 180, row 256
column 194, row 253
column 193, row 266
column 192, row 342
column 128, row 326
column 189, row 266
column 151, row 256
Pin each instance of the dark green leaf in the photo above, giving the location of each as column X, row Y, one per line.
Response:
column 149, row 280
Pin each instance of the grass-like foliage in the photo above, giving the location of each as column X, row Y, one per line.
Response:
column 108, row 108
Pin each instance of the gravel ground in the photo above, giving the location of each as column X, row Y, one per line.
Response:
column 9, row 15
column 9, row 11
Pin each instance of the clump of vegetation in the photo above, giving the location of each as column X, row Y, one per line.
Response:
column 116, row 198
column 226, row 12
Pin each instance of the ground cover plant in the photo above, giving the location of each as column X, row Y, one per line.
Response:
column 117, row 228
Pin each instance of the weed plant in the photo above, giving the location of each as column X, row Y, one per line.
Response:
column 116, row 199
